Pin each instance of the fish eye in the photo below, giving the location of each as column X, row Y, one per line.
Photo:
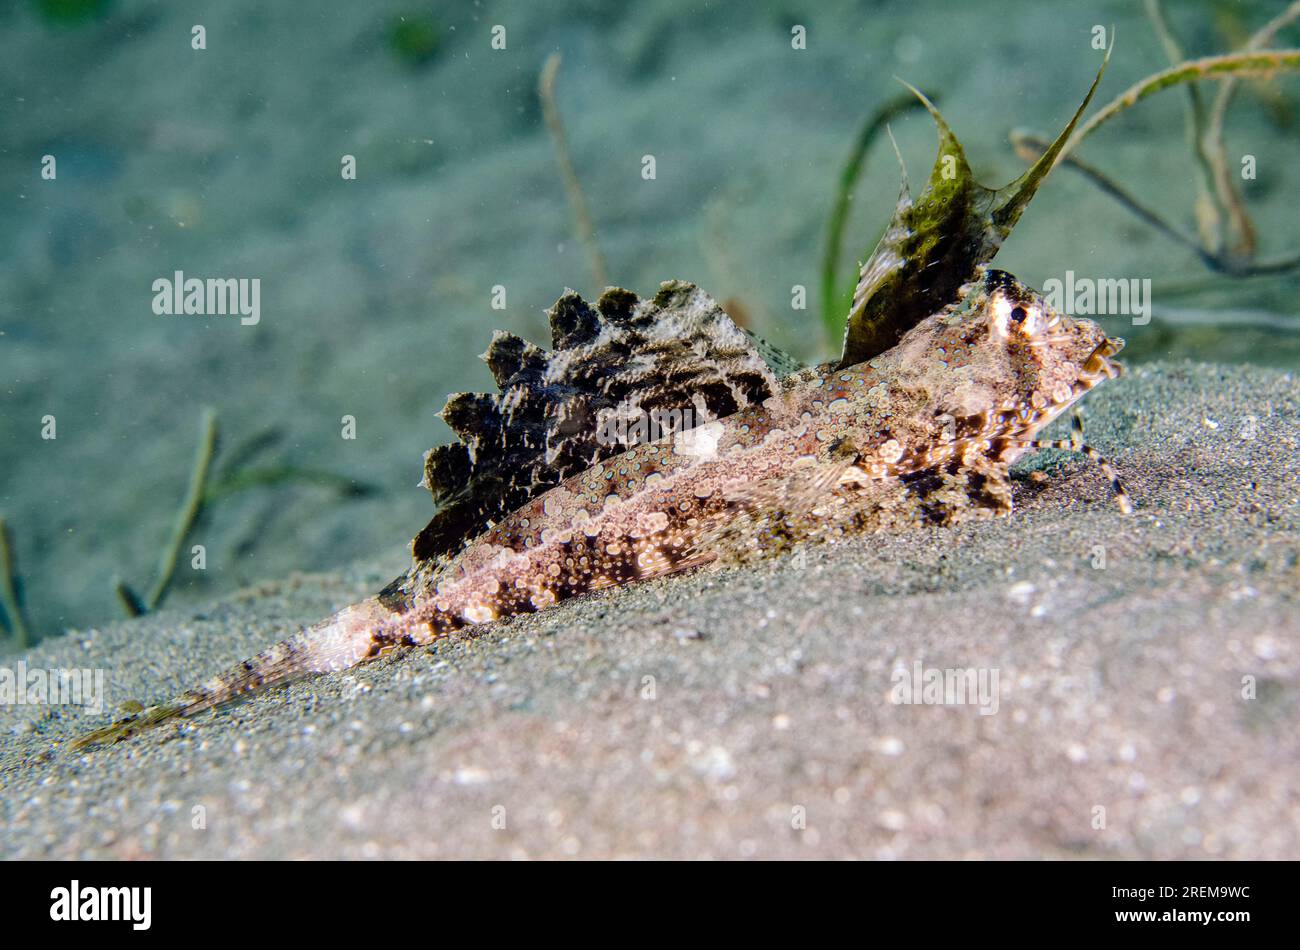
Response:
column 1010, row 317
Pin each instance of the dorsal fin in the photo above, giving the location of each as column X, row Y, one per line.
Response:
column 679, row 351
column 934, row 245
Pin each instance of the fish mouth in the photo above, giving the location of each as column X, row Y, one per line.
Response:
column 1099, row 364
column 1096, row 367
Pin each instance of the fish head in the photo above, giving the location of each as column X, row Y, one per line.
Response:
column 1005, row 363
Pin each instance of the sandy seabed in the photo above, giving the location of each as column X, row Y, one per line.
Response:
column 1147, row 705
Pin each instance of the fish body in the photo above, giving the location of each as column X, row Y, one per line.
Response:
column 922, row 434
column 948, row 372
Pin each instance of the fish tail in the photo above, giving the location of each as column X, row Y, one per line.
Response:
column 353, row 635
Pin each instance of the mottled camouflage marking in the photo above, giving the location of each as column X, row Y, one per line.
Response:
column 678, row 350
column 923, row 434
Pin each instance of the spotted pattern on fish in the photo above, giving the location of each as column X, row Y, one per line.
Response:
column 923, row 434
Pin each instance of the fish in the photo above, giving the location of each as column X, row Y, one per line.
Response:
column 537, row 508
column 923, row 434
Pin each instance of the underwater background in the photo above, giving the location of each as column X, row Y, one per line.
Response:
column 376, row 292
